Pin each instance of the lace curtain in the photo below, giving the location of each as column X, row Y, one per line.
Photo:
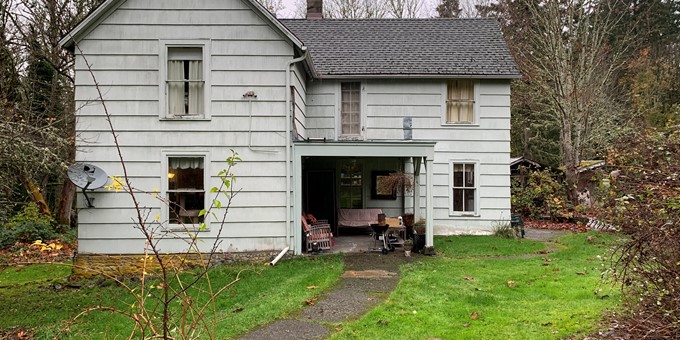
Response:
column 195, row 87
column 176, row 87
column 185, row 162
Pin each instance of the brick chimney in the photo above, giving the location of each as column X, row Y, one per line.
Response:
column 314, row 9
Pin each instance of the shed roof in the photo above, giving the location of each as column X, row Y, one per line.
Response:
column 406, row 47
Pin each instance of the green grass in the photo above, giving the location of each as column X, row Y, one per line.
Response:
column 19, row 275
column 477, row 287
column 263, row 294
column 493, row 288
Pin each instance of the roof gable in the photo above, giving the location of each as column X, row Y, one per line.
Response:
column 98, row 14
column 451, row 48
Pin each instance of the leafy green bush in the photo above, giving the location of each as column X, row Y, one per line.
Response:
column 27, row 226
column 542, row 196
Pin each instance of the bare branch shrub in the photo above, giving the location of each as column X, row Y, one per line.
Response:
column 644, row 200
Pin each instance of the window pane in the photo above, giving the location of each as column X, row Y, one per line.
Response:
column 185, row 81
column 185, row 207
column 185, row 173
column 469, row 199
column 351, row 185
column 458, row 175
column 463, row 188
column 458, row 200
column 350, row 108
column 469, row 175
column 460, row 101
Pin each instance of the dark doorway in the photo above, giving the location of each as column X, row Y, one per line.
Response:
column 320, row 195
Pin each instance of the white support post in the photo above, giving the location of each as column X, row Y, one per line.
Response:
column 297, row 204
column 429, row 229
column 416, row 189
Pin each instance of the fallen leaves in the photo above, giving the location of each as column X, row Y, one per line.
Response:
column 39, row 251
column 311, row 301
column 550, row 225
column 474, row 316
column 468, row 278
column 511, row 284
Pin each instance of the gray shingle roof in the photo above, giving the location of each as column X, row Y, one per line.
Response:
column 405, row 47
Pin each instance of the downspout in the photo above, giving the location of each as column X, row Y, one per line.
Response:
column 289, row 138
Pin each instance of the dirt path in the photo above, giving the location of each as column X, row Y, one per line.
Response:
column 367, row 281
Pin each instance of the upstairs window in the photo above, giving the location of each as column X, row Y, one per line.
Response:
column 463, row 188
column 186, row 189
column 350, row 108
column 185, row 82
column 460, row 101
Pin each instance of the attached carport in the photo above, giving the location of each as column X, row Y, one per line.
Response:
column 420, row 152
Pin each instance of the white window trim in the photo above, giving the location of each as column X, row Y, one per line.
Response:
column 362, row 119
column 474, row 213
column 475, row 107
column 165, row 210
column 204, row 44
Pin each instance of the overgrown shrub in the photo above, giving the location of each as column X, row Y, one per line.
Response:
column 27, row 226
column 541, row 197
column 504, row 229
column 644, row 200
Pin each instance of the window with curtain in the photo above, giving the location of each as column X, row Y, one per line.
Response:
column 460, row 101
column 185, row 81
column 186, row 190
column 350, row 108
column 464, row 189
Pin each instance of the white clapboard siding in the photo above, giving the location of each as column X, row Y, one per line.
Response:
column 150, row 124
column 133, row 245
column 246, row 54
column 487, row 142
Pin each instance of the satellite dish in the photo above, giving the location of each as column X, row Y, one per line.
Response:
column 87, row 176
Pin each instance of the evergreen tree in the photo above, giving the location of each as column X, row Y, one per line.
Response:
column 449, row 9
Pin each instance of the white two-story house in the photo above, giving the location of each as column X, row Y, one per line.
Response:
column 317, row 109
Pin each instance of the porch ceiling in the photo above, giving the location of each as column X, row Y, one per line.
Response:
column 365, row 149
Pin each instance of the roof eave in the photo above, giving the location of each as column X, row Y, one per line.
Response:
column 109, row 5
column 87, row 23
column 272, row 19
column 418, row 75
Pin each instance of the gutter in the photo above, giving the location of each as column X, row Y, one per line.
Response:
column 289, row 138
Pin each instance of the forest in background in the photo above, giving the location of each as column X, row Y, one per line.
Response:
column 599, row 80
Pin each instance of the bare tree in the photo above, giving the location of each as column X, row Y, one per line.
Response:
column 404, row 8
column 273, row 6
column 300, row 9
column 37, row 125
column 570, row 62
column 354, row 9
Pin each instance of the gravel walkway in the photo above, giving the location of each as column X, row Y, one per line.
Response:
column 367, row 281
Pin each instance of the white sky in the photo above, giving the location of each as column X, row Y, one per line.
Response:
column 428, row 7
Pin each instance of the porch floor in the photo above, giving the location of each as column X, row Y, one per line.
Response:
column 358, row 243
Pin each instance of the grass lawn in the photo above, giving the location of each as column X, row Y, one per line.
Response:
column 481, row 287
column 477, row 287
column 30, row 300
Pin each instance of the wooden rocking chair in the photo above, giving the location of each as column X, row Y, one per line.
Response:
column 318, row 232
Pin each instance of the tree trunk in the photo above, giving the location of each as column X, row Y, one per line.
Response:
column 68, row 191
column 571, row 159
column 36, row 194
